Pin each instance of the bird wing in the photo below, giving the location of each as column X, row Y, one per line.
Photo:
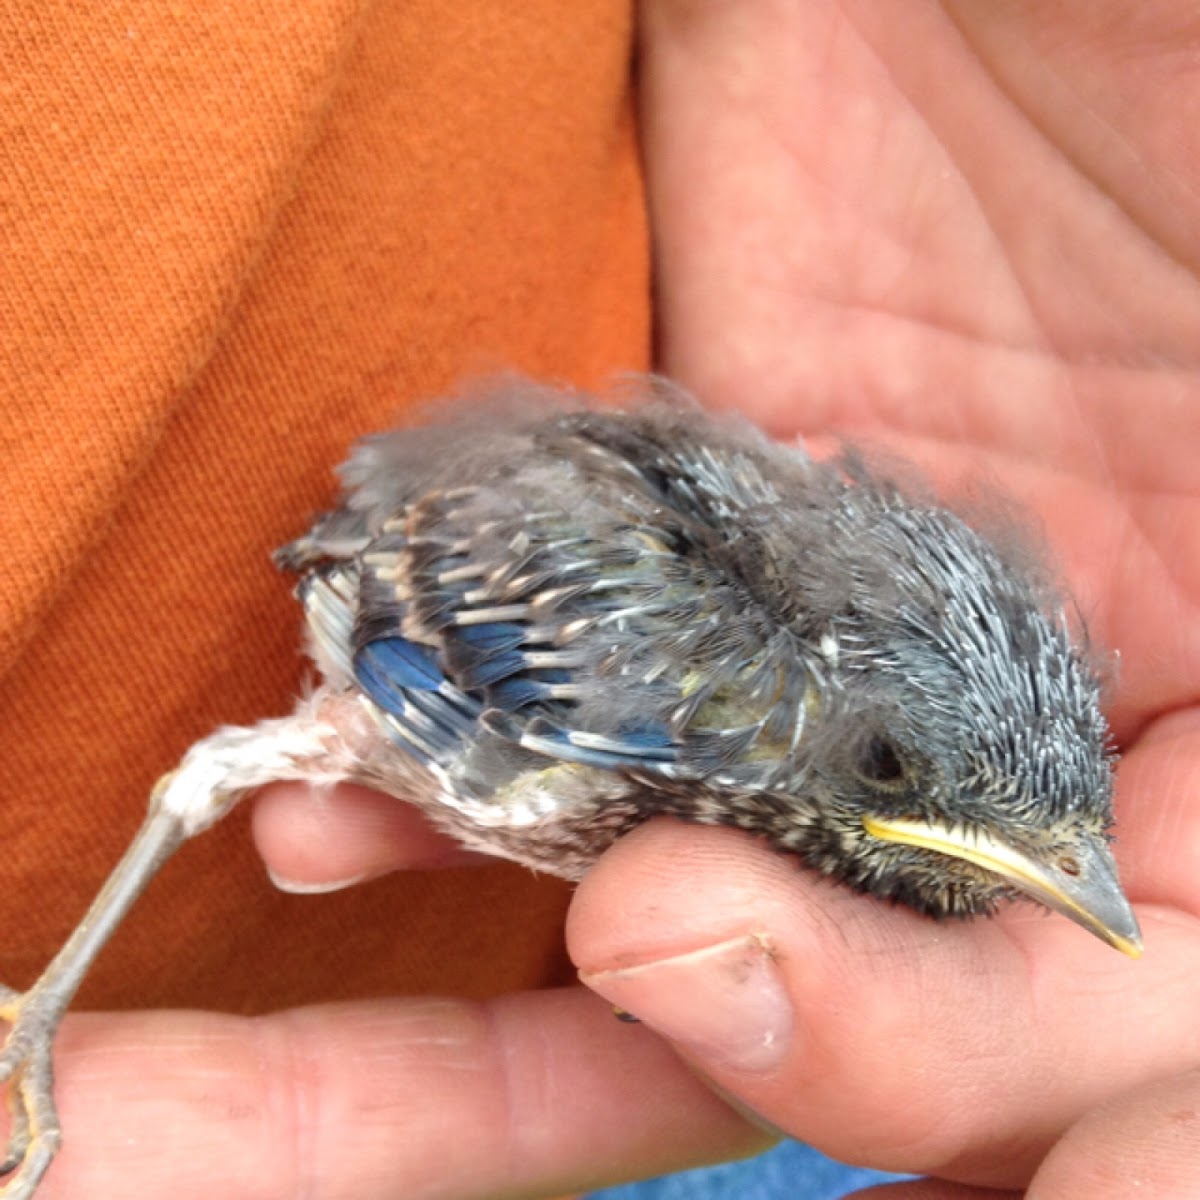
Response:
column 597, row 632
column 593, row 594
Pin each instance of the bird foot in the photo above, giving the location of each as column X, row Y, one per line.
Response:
column 25, row 1068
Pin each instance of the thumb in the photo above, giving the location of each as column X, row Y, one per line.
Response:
column 880, row 1037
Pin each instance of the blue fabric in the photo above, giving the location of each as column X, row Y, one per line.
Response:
column 791, row 1171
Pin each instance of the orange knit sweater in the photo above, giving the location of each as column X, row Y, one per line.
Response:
column 233, row 238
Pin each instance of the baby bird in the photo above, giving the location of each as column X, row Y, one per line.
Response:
column 543, row 621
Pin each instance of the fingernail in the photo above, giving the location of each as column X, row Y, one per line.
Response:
column 725, row 1004
column 298, row 887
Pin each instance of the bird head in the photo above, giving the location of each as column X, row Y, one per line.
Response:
column 959, row 754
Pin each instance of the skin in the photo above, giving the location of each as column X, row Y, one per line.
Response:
column 966, row 232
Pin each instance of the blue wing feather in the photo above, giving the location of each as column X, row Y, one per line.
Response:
column 394, row 664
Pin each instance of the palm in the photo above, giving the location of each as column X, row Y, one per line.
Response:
column 965, row 232
column 874, row 232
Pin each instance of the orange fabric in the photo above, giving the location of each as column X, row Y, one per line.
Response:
column 232, row 239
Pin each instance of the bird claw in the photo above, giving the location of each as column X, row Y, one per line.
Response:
column 33, row 1016
column 25, row 1067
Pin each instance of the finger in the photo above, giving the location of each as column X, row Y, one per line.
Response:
column 535, row 1094
column 1158, row 813
column 961, row 1050
column 320, row 839
column 1146, row 1143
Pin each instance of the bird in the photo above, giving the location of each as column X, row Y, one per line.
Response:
column 544, row 618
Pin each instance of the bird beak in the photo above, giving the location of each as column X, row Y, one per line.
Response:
column 1081, row 884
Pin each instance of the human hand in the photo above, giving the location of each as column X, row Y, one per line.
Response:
column 528, row 1095
column 1140, row 1144
column 965, row 233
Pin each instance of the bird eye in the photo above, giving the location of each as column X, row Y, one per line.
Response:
column 880, row 763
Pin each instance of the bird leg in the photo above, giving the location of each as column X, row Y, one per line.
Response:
column 34, row 1016
column 319, row 742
